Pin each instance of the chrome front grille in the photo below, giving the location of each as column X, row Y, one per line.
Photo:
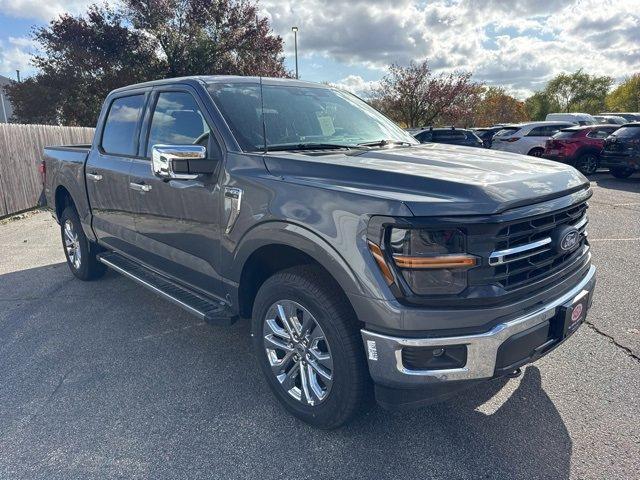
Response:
column 525, row 251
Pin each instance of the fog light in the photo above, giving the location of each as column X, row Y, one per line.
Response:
column 434, row 358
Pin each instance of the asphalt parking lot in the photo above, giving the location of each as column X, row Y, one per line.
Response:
column 106, row 380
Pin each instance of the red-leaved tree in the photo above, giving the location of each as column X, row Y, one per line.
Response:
column 414, row 96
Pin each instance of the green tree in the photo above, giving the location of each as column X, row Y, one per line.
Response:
column 625, row 97
column 200, row 37
column 579, row 91
column 538, row 105
column 82, row 58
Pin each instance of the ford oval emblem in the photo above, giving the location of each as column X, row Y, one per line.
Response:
column 569, row 240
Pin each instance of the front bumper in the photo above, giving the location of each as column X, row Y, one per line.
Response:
column 385, row 353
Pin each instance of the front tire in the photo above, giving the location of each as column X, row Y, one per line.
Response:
column 79, row 251
column 621, row 172
column 308, row 344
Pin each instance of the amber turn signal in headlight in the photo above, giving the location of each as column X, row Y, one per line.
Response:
column 378, row 256
column 443, row 261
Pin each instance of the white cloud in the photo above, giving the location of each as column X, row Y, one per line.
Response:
column 15, row 54
column 520, row 45
column 45, row 11
column 355, row 84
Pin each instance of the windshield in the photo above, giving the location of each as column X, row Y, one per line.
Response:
column 301, row 116
column 627, row 132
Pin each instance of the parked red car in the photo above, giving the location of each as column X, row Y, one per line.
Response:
column 579, row 146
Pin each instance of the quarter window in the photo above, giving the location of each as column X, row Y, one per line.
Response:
column 600, row 133
column 119, row 135
column 177, row 120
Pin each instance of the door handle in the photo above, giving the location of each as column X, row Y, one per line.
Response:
column 96, row 177
column 140, row 187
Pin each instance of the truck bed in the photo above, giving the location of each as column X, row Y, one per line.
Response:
column 64, row 167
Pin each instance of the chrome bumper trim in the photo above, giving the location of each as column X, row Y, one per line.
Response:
column 384, row 353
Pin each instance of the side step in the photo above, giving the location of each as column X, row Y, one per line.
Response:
column 211, row 311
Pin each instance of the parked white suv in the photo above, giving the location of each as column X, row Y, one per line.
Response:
column 575, row 118
column 526, row 138
column 610, row 119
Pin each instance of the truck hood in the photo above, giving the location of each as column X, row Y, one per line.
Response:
column 434, row 179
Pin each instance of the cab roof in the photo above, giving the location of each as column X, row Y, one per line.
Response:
column 213, row 79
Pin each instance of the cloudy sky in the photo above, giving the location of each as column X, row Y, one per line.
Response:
column 517, row 44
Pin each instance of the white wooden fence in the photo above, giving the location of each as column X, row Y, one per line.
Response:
column 20, row 155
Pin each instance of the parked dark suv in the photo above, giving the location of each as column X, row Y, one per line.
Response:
column 486, row 134
column 579, row 146
column 449, row 135
column 621, row 152
column 359, row 255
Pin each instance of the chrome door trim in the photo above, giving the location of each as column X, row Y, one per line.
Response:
column 232, row 205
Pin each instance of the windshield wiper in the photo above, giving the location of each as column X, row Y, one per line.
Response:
column 384, row 143
column 313, row 146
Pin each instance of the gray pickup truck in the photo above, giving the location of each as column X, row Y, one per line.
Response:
column 367, row 263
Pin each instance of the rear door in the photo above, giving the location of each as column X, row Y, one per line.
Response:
column 178, row 221
column 107, row 170
column 538, row 136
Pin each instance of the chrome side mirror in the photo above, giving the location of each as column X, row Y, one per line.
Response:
column 179, row 162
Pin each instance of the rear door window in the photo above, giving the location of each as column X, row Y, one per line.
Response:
column 546, row 130
column 600, row 132
column 563, row 134
column 449, row 135
column 539, row 132
column 119, row 136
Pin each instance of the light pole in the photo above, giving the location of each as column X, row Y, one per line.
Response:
column 295, row 42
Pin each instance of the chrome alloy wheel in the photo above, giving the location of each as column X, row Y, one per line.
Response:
column 298, row 352
column 72, row 244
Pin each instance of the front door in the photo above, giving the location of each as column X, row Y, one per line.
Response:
column 178, row 221
column 107, row 172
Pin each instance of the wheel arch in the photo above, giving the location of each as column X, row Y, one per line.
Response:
column 535, row 148
column 68, row 192
column 62, row 199
column 276, row 246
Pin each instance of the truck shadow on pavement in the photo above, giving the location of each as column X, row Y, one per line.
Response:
column 525, row 437
column 91, row 357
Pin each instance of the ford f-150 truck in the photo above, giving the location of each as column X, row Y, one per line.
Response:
column 367, row 262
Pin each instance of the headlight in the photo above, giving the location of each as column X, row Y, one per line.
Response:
column 432, row 262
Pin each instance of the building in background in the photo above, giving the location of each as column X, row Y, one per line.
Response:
column 5, row 106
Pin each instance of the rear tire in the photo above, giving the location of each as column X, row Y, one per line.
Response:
column 320, row 374
column 79, row 251
column 587, row 164
column 621, row 172
column 536, row 152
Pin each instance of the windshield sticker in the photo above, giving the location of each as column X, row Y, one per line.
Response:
column 326, row 125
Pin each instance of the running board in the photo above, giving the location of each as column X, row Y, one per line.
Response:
column 211, row 311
